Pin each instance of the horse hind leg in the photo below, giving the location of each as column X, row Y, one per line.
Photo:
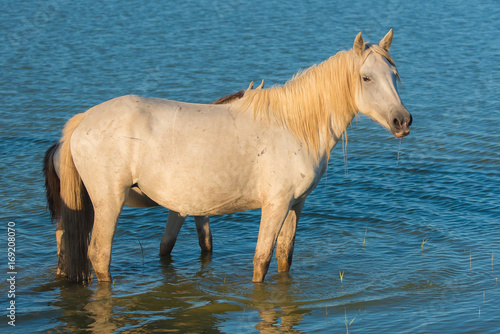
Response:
column 61, row 254
column 101, row 242
column 107, row 209
column 204, row 233
column 174, row 224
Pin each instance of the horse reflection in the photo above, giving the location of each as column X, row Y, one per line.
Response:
column 278, row 311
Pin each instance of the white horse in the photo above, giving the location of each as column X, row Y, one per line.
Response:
column 266, row 150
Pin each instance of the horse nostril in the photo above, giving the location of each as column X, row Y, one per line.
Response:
column 396, row 123
column 411, row 120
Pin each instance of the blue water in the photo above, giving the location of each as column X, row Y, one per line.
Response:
column 367, row 219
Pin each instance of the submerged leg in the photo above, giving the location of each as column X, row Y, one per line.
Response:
column 270, row 225
column 174, row 224
column 286, row 238
column 204, row 233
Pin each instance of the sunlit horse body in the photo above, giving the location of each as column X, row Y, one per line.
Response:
column 135, row 199
column 266, row 150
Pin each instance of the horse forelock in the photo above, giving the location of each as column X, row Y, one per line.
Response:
column 374, row 48
column 316, row 102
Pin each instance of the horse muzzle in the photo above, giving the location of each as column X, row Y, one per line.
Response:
column 400, row 126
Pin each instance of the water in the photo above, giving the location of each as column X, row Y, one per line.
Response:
column 440, row 184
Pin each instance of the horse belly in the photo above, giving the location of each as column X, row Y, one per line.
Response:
column 137, row 199
column 198, row 187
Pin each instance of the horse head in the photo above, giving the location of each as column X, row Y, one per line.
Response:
column 377, row 94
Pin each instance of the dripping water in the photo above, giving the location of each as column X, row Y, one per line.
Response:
column 344, row 152
column 399, row 153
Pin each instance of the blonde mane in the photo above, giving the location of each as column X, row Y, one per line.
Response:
column 320, row 99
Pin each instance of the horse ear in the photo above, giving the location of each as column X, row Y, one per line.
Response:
column 359, row 44
column 385, row 43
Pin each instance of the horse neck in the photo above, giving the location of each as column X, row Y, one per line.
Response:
column 317, row 105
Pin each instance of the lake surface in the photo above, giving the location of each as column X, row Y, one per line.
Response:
column 413, row 225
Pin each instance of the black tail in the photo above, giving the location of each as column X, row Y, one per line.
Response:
column 52, row 184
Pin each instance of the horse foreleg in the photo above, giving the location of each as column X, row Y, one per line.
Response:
column 204, row 233
column 270, row 225
column 174, row 224
column 286, row 238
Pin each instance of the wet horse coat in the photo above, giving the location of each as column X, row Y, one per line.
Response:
column 267, row 150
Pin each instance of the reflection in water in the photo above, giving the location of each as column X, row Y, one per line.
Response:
column 277, row 308
column 85, row 308
column 101, row 310
column 72, row 301
column 179, row 302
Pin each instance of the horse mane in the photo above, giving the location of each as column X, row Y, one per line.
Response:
column 319, row 100
column 230, row 98
column 236, row 96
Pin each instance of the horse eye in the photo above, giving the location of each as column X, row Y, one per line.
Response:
column 366, row 79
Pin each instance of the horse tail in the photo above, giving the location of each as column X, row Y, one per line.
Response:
column 52, row 184
column 77, row 212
